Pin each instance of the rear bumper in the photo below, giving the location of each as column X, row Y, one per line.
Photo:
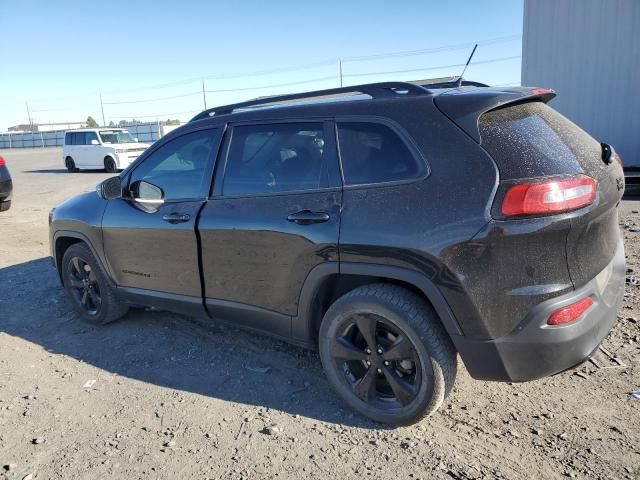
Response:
column 534, row 349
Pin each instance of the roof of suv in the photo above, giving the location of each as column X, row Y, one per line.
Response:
column 462, row 99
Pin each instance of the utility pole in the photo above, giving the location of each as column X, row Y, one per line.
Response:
column 104, row 123
column 204, row 95
column 29, row 115
column 340, row 67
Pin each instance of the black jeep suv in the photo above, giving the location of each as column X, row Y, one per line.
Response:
column 391, row 225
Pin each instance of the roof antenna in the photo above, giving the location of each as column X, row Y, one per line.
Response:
column 459, row 81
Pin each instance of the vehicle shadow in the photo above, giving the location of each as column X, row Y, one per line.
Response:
column 64, row 170
column 169, row 350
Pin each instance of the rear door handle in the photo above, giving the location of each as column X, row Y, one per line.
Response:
column 306, row 217
column 176, row 217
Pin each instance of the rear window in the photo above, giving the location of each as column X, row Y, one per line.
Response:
column 374, row 153
column 532, row 139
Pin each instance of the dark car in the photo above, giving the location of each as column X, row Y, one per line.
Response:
column 6, row 186
column 392, row 226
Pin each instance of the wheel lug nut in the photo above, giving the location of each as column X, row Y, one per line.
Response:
column 379, row 370
column 368, row 351
column 379, row 351
column 368, row 362
column 386, row 363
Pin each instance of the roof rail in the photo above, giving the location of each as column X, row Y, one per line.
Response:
column 375, row 90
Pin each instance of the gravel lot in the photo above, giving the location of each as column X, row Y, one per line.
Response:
column 158, row 395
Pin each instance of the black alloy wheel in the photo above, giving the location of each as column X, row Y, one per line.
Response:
column 88, row 288
column 379, row 362
column 84, row 286
column 386, row 353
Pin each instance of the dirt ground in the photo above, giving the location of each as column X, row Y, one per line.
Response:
column 158, row 395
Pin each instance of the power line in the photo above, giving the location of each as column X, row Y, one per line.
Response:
column 153, row 99
column 53, row 110
column 227, row 90
column 300, row 82
column 124, row 117
column 299, row 68
column 440, row 67
column 461, row 46
column 322, row 63
column 289, row 84
column 229, row 76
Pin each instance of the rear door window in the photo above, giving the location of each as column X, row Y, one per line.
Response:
column 277, row 158
column 374, row 153
column 78, row 138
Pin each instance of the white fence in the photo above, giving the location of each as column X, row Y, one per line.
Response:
column 145, row 132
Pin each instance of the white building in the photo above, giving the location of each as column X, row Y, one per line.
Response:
column 588, row 51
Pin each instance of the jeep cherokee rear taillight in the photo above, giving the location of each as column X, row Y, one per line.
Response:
column 548, row 196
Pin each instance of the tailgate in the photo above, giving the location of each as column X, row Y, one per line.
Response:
column 594, row 236
column 531, row 140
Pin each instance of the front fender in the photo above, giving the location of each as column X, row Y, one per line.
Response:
column 79, row 218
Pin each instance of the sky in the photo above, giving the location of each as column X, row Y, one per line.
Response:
column 149, row 59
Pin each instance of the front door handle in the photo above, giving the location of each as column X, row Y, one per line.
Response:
column 306, row 217
column 176, row 217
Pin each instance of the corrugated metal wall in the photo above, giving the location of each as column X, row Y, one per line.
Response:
column 589, row 52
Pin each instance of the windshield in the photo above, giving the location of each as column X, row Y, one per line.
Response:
column 116, row 136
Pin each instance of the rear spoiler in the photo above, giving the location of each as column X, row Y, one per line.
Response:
column 464, row 106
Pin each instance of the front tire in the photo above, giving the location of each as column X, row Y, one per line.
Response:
column 87, row 287
column 386, row 354
column 110, row 165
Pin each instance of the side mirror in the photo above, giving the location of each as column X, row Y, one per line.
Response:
column 147, row 193
column 95, row 142
column 110, row 188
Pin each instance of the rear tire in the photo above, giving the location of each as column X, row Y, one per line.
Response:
column 110, row 165
column 87, row 287
column 386, row 354
column 70, row 164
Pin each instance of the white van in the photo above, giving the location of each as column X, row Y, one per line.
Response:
column 110, row 148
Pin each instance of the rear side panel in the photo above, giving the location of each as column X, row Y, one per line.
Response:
column 532, row 140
